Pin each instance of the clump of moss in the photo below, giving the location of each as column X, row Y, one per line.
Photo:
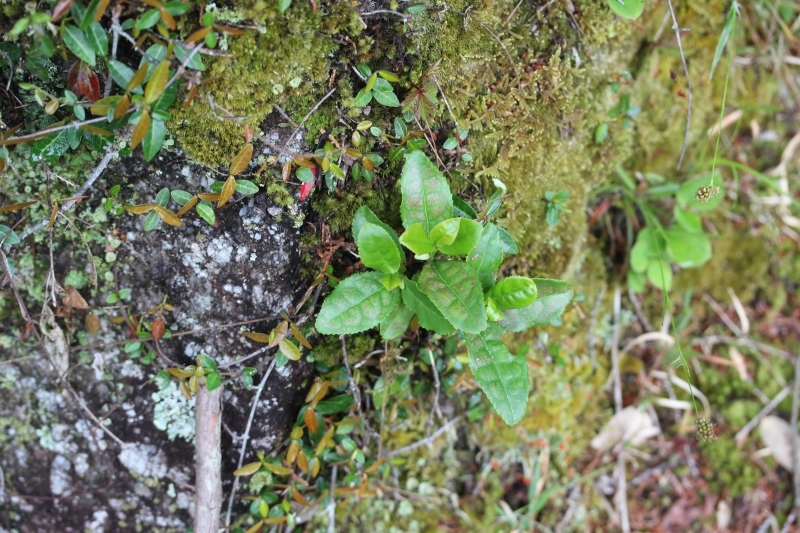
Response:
column 338, row 208
column 288, row 60
column 729, row 469
column 279, row 194
column 328, row 349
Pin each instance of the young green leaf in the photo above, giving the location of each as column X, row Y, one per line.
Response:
column 426, row 195
column 660, row 274
column 487, row 256
column 246, row 187
column 687, row 219
column 513, row 292
column 206, row 212
column 76, row 41
column 213, row 381
column 363, row 98
column 429, row 316
column 724, row 36
column 358, row 303
column 365, row 215
column 503, row 377
column 8, row 236
column 445, row 232
column 377, row 250
column 688, row 249
column 416, row 240
column 469, row 233
column 289, row 349
column 386, row 98
column 629, row 9
column 552, row 298
column 455, row 290
column 397, row 323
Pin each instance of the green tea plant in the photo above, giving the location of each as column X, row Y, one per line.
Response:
column 455, row 290
column 556, row 203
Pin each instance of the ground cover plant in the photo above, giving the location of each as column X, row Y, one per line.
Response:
column 335, row 266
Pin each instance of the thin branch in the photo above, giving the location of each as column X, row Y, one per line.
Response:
column 615, row 351
column 332, row 503
column 435, row 407
column 310, row 112
column 742, row 433
column 356, row 392
column 677, row 31
column 385, row 11
column 111, row 152
column 245, row 438
column 795, row 443
column 423, row 442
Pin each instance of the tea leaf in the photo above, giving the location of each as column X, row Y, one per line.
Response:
column 377, row 250
column 358, row 303
column 552, row 298
column 455, row 290
column 513, row 292
column 426, row 195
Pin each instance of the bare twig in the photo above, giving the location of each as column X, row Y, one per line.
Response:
column 742, row 433
column 356, row 392
column 615, row 351
column 677, row 31
column 437, row 386
column 447, row 104
column 310, row 112
column 637, row 308
column 592, row 322
column 622, row 494
column 332, row 503
column 245, row 438
column 111, row 152
column 423, row 442
column 795, row 443
column 385, row 11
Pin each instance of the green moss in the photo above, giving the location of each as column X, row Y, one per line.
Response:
column 279, row 193
column 729, row 469
column 294, row 45
column 338, row 208
column 328, row 349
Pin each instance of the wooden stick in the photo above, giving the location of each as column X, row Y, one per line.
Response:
column 208, row 460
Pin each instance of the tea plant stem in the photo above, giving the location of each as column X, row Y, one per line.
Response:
column 676, row 28
column 245, row 438
column 308, row 115
column 795, row 443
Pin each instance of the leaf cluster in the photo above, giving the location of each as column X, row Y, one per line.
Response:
column 455, row 290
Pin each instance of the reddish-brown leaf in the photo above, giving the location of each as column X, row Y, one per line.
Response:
column 299, row 335
column 296, row 496
column 242, row 159
column 228, row 30
column 310, row 418
column 72, row 78
column 87, row 83
column 96, row 130
column 92, row 324
column 190, row 204
column 208, row 196
column 73, row 298
column 2, row 165
column 198, row 35
column 62, row 6
column 157, row 330
column 227, row 191
column 140, row 130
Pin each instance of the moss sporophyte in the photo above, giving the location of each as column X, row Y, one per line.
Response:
column 455, row 290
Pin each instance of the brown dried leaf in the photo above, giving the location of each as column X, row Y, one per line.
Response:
column 248, row 469
column 166, row 16
column 303, row 162
column 299, row 335
column 227, row 191
column 324, row 441
column 92, row 324
column 277, row 469
column 198, row 35
column 302, row 461
column 6, row 134
column 242, row 159
column 290, row 350
column 375, row 465
column 168, row 216
column 73, row 298
column 291, row 454
column 157, row 329
column 138, row 77
column 258, row 337
column 180, row 374
column 190, row 204
column 296, row 496
column 157, row 82
column 53, row 216
column 95, row 130
column 208, row 196
column 228, row 30
column 140, row 130
column 14, row 207
column 2, row 165
column 278, row 334
column 275, row 520
column 122, row 107
column 61, row 7
column 310, row 418
column 101, row 9
column 140, row 209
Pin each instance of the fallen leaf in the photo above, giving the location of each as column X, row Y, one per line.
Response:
column 92, row 324
column 777, row 436
column 73, row 298
column 629, row 425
